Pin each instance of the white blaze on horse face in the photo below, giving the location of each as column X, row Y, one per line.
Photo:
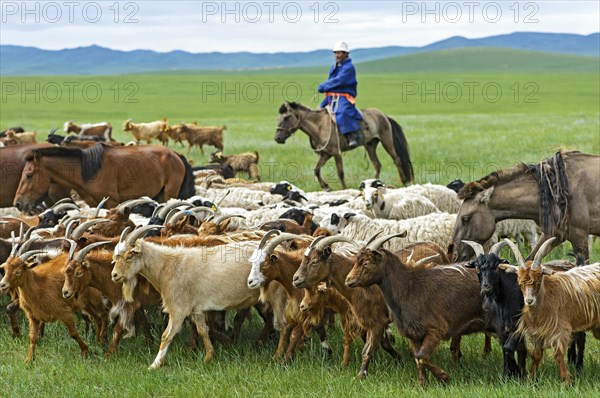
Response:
column 256, row 278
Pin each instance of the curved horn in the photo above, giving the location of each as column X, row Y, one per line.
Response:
column 81, row 228
column 516, row 252
column 72, row 247
column 25, row 246
column 138, row 232
column 124, row 233
column 63, row 207
column 133, row 202
column 70, row 226
column 224, row 196
column 100, row 205
column 544, row 249
column 372, row 238
column 162, row 214
column 380, row 241
column 266, row 237
column 497, row 247
column 172, row 219
column 203, row 209
column 23, row 257
column 477, row 248
column 276, row 241
column 316, row 241
column 425, row 260
column 328, row 241
column 219, row 219
column 83, row 252
column 64, row 200
column 66, row 220
column 15, row 247
column 157, row 209
column 53, row 130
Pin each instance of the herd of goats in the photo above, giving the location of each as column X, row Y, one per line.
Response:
column 374, row 256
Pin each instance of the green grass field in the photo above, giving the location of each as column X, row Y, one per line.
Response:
column 453, row 136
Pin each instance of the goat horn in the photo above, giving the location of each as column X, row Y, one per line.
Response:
column 53, row 130
column 64, row 200
column 124, row 233
column 425, row 260
column 276, row 241
column 63, row 207
column 516, row 252
column 266, row 237
column 30, row 253
column 81, row 228
column 138, row 232
column 25, row 246
column 83, row 252
column 15, row 247
column 224, row 196
column 100, row 205
column 173, row 218
column 497, row 247
column 508, row 268
column 162, row 214
column 372, row 238
column 544, row 249
column 66, row 220
column 328, row 241
column 133, row 202
column 72, row 247
column 380, row 241
column 219, row 219
column 477, row 248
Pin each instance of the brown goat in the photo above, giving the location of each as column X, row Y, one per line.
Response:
column 321, row 264
column 320, row 297
column 40, row 295
column 93, row 268
column 200, row 136
column 429, row 304
column 556, row 305
column 270, row 265
column 247, row 162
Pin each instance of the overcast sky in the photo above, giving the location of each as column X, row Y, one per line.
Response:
column 273, row 26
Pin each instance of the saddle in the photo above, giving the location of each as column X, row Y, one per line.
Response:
column 364, row 126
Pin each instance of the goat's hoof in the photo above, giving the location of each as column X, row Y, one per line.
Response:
column 155, row 366
column 361, row 375
column 208, row 359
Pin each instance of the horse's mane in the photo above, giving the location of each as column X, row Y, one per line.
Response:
column 293, row 105
column 91, row 158
column 498, row 177
column 553, row 185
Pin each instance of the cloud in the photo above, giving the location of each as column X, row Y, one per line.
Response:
column 272, row 26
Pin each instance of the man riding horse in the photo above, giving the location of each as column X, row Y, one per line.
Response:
column 340, row 91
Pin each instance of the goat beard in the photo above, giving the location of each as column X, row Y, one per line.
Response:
column 128, row 288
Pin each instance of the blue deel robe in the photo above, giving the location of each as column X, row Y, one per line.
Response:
column 342, row 79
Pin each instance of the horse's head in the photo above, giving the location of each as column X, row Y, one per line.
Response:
column 474, row 222
column 34, row 184
column 288, row 122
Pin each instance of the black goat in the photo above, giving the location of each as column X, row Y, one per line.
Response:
column 503, row 303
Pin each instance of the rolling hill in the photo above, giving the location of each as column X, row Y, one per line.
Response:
column 96, row 60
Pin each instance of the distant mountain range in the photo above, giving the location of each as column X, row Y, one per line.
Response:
column 96, row 60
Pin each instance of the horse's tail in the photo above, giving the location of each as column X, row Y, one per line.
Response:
column 188, row 188
column 401, row 147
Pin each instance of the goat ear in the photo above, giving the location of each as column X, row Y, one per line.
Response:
column 32, row 262
column 382, row 206
column 469, row 265
column 547, row 271
column 327, row 252
column 86, row 264
column 484, row 197
column 377, row 256
column 273, row 257
column 348, row 216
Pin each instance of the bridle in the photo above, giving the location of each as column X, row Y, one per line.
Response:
column 289, row 130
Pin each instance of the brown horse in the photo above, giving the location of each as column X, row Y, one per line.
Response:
column 121, row 173
column 12, row 162
column 327, row 142
column 560, row 193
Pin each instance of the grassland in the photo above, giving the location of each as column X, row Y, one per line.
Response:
column 449, row 139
